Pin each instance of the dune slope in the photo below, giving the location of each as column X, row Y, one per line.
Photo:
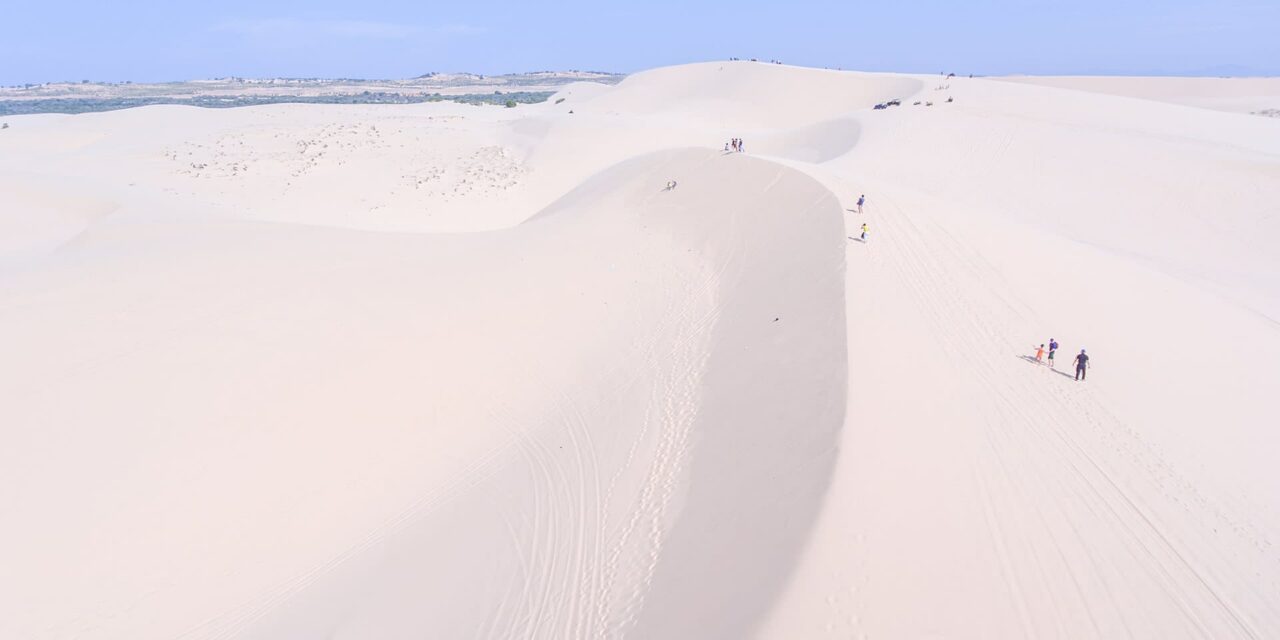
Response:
column 457, row 477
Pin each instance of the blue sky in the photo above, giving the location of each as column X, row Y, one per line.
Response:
column 150, row 41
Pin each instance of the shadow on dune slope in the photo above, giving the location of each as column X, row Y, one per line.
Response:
column 772, row 404
column 749, row 94
column 745, row 396
column 815, row 143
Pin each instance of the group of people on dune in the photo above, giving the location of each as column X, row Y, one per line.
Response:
column 862, row 199
column 1081, row 360
column 733, row 145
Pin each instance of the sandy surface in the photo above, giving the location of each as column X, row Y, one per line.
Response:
column 352, row 372
column 1256, row 96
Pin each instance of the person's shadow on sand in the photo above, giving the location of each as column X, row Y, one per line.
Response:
column 857, row 239
column 1033, row 361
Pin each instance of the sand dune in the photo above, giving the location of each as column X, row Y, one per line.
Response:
column 750, row 96
column 1259, row 96
column 450, row 371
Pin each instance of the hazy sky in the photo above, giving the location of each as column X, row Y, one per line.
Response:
column 175, row 40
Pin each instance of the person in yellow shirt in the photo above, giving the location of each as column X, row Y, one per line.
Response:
column 864, row 232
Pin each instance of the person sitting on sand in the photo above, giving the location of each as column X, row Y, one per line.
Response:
column 671, row 184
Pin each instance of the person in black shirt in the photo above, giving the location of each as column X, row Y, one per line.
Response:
column 1082, row 364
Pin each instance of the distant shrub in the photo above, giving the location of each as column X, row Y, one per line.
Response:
column 86, row 105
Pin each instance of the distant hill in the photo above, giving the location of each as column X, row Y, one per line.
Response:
column 86, row 96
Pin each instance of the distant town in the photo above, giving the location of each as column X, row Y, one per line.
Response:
column 88, row 96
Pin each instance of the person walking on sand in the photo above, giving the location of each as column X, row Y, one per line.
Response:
column 864, row 232
column 1040, row 355
column 1053, row 348
column 862, row 199
column 1082, row 365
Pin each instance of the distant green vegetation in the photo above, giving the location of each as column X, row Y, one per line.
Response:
column 88, row 105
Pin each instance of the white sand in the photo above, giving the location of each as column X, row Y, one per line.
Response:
column 1237, row 95
column 457, row 372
